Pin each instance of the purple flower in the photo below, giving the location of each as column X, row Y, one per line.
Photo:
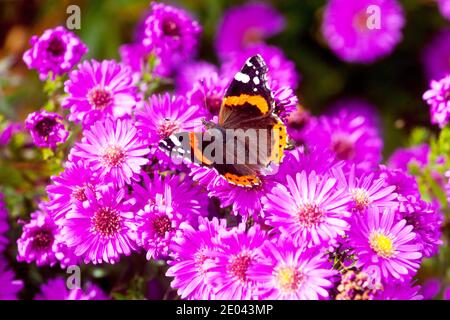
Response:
column 171, row 34
column 114, row 149
column 402, row 157
column 405, row 184
column 350, row 132
column 165, row 203
column 246, row 25
column 238, row 250
column 403, row 291
column 362, row 30
column 194, row 253
column 436, row 55
column 101, row 229
column 291, row 273
column 191, row 73
column 385, row 248
column 56, row 289
column 8, row 131
column 310, row 208
column 10, row 286
column 446, row 294
column 46, row 128
column 444, row 8
column 56, row 50
column 366, row 191
column 38, row 240
column 438, row 98
column 164, row 115
column 4, row 226
column 70, row 187
column 431, row 288
column 427, row 223
column 98, row 89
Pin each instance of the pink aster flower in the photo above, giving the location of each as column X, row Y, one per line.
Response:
column 362, row 30
column 101, row 229
column 114, row 149
column 444, row 8
column 385, row 248
column 402, row 157
column 164, row 203
column 46, row 128
column 10, row 286
column 438, row 98
column 193, row 254
column 190, row 73
column 237, row 251
column 246, row 25
column 399, row 291
column 56, row 289
column 97, row 89
column 351, row 132
column 56, row 50
column 164, row 115
column 310, row 208
column 69, row 187
column 436, row 55
column 289, row 272
column 366, row 190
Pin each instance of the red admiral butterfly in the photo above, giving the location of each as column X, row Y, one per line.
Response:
column 247, row 111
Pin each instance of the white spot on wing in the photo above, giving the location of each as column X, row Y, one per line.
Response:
column 242, row 77
column 175, row 140
column 256, row 80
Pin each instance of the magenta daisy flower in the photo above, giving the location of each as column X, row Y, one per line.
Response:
column 246, row 25
column 171, row 33
column 69, row 187
column 405, row 184
column 8, row 132
column 164, row 115
column 350, row 132
column 4, row 225
column 366, row 191
column 385, row 248
column 193, row 254
column 444, row 8
column 426, row 220
column 114, row 149
column 291, row 273
column 310, row 208
column 56, row 50
column 97, row 89
column 438, row 98
column 10, row 286
column 164, row 204
column 190, row 73
column 402, row 291
column 38, row 240
column 362, row 30
column 101, row 229
column 436, row 55
column 56, row 289
column 229, row 274
column 46, row 128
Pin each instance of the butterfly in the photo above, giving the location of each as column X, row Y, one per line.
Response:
column 247, row 112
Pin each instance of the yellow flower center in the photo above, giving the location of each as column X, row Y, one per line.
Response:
column 289, row 279
column 360, row 198
column 382, row 245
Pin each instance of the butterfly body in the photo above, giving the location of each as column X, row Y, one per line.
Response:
column 248, row 137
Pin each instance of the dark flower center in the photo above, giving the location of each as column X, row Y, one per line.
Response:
column 298, row 119
column 79, row 192
column 161, row 225
column 343, row 147
column 42, row 239
column 239, row 265
column 99, row 98
column 213, row 104
column 252, row 36
column 113, row 156
column 56, row 47
column 447, row 95
column 107, row 222
column 167, row 127
column 309, row 215
column 170, row 28
column 45, row 126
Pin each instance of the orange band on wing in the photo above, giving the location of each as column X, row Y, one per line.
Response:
column 256, row 100
column 198, row 153
column 245, row 181
column 279, row 142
